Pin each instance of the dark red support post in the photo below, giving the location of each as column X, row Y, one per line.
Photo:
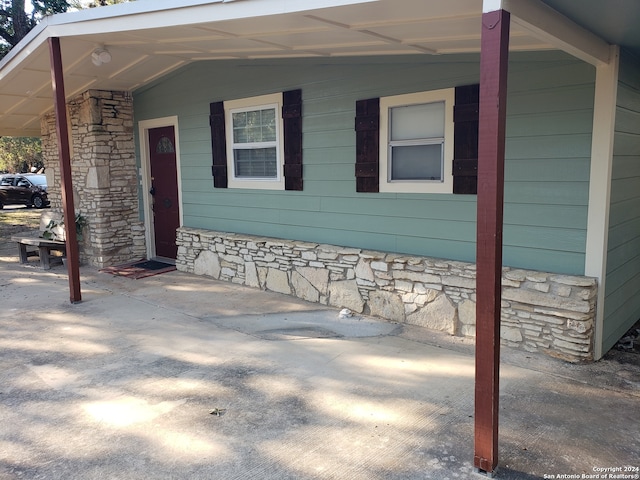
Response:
column 66, row 187
column 491, row 147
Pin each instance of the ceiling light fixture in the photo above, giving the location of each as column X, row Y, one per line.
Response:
column 100, row 55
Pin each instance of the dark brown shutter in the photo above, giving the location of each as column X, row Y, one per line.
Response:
column 218, row 145
column 465, row 149
column 368, row 145
column 292, row 124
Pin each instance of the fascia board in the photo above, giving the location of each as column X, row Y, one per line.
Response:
column 157, row 14
column 26, row 46
column 171, row 13
column 549, row 25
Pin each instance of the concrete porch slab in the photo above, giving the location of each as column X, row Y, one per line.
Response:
column 121, row 386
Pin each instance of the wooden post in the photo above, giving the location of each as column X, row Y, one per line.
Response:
column 491, row 147
column 66, row 187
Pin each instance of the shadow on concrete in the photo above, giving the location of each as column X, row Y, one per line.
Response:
column 121, row 386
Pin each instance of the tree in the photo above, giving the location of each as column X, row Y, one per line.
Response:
column 15, row 22
column 82, row 4
column 20, row 154
column 104, row 3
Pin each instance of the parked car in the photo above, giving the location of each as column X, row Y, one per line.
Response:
column 28, row 189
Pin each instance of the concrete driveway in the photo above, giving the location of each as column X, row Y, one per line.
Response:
column 121, row 386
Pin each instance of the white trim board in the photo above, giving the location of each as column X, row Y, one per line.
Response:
column 550, row 26
column 604, row 116
column 145, row 163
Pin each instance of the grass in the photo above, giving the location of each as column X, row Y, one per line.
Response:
column 16, row 220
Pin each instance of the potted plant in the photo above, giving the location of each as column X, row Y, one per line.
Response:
column 55, row 229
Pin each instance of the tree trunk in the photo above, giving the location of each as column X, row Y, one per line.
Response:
column 20, row 21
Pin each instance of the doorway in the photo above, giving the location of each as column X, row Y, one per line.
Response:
column 162, row 183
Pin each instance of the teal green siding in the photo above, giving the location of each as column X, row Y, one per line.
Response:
column 547, row 170
column 622, row 290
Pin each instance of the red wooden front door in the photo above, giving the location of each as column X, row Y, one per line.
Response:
column 164, row 190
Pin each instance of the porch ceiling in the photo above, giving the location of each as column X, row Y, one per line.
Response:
column 148, row 39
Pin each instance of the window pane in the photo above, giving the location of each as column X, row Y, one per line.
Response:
column 416, row 162
column 253, row 134
column 239, row 135
column 269, row 117
column 268, row 124
column 165, row 145
column 255, row 163
column 254, row 126
column 240, row 119
column 269, row 133
column 417, row 121
column 239, row 127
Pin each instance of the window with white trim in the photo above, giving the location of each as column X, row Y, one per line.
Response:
column 416, row 142
column 255, row 142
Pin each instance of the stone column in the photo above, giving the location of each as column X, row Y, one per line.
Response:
column 105, row 176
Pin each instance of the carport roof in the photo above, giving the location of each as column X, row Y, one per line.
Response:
column 150, row 38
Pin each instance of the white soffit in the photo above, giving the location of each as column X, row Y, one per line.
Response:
column 148, row 39
column 561, row 32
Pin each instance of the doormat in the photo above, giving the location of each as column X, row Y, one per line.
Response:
column 139, row 269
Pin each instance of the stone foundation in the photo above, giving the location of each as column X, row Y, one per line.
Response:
column 541, row 312
column 104, row 175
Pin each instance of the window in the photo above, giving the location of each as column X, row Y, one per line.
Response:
column 254, row 142
column 165, row 145
column 257, row 142
column 416, row 142
column 413, row 155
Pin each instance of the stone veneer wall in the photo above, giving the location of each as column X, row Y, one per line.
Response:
column 541, row 312
column 104, row 175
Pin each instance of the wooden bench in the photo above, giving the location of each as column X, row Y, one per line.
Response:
column 44, row 248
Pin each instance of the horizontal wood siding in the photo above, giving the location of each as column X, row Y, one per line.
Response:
column 548, row 151
column 622, row 291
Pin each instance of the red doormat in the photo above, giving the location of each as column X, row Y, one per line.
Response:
column 140, row 269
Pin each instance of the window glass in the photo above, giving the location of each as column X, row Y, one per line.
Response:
column 254, row 142
column 416, row 134
column 254, row 126
column 416, row 142
column 165, row 145
column 417, row 121
column 416, row 162
column 254, row 137
column 256, row 162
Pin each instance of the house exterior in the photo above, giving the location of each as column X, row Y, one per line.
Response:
column 384, row 252
column 328, row 150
